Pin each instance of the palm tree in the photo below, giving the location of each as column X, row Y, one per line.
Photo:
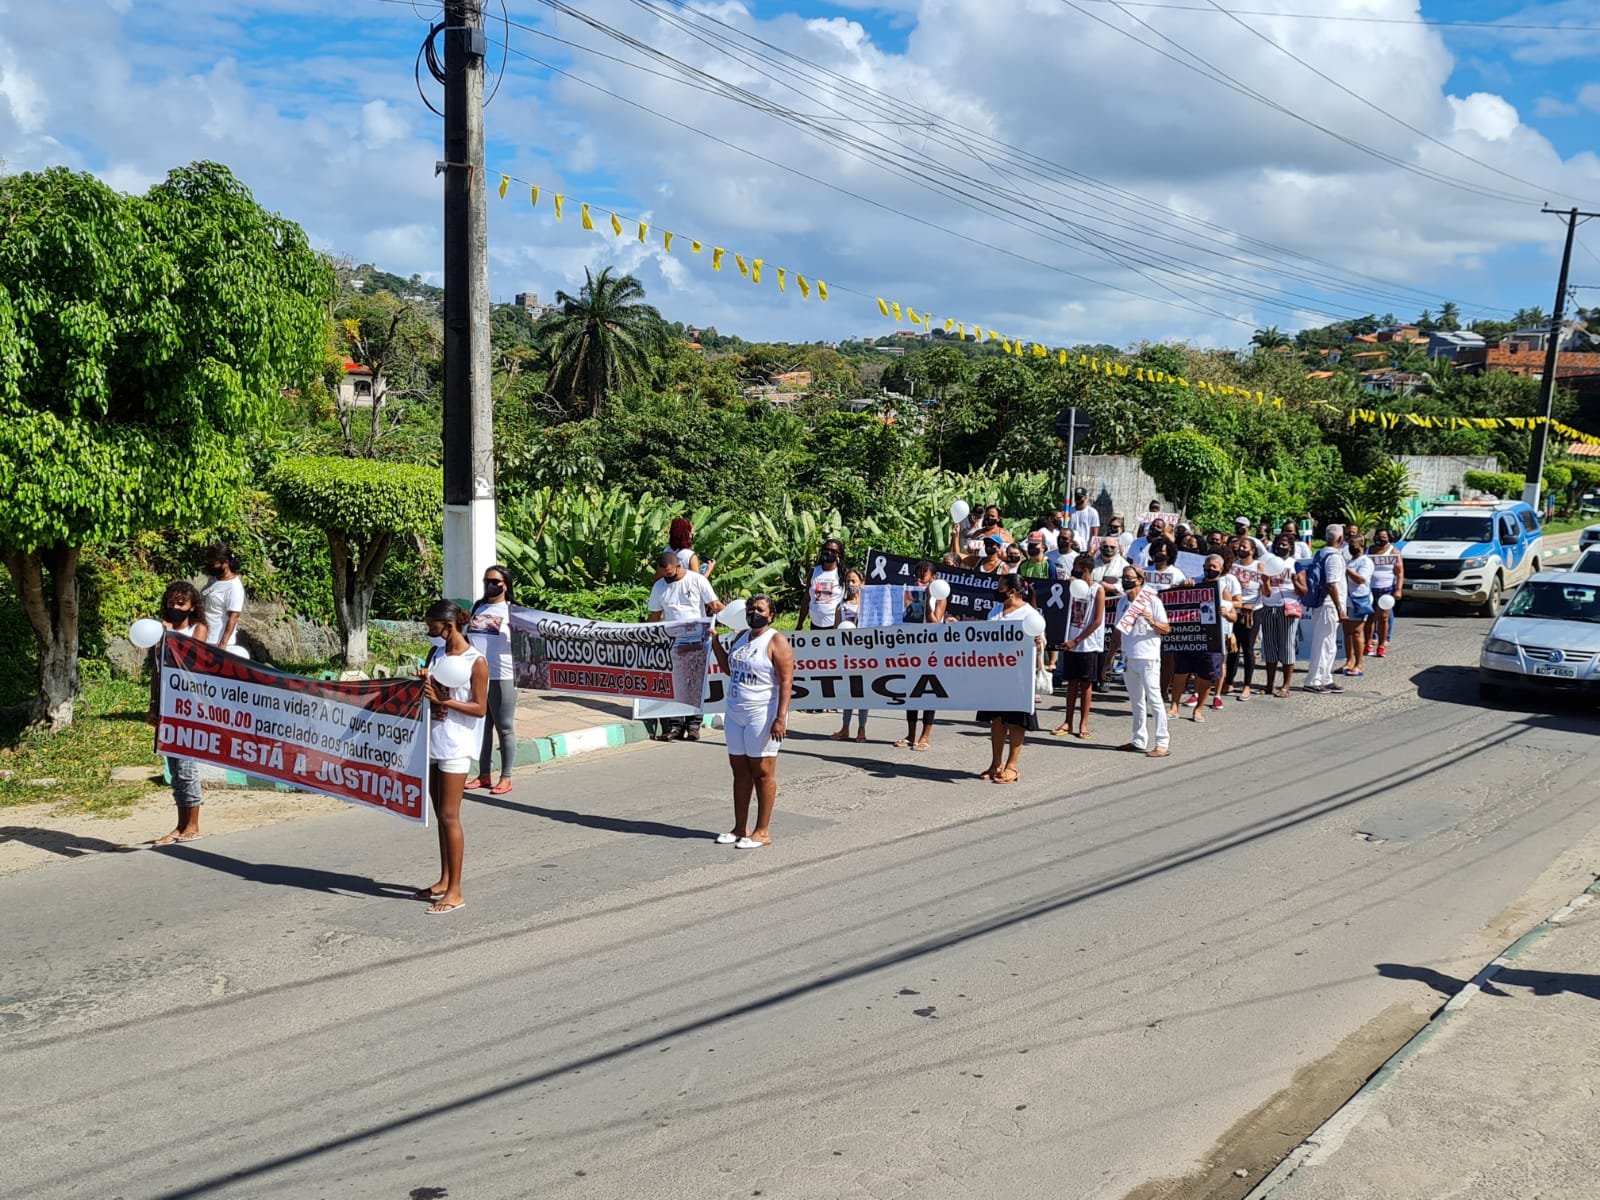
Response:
column 1269, row 338
column 1449, row 316
column 600, row 340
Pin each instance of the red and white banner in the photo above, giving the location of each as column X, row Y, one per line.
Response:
column 365, row 741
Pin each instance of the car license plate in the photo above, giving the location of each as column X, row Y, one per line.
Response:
column 1424, row 587
column 1557, row 672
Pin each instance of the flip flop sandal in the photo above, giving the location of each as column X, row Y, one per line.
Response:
column 1015, row 777
column 1083, row 735
column 425, row 894
column 1064, row 731
column 439, row 908
column 902, row 744
column 921, row 745
column 188, row 837
column 841, row 735
column 726, row 839
column 501, row 788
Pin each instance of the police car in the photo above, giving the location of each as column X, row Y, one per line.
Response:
column 1471, row 553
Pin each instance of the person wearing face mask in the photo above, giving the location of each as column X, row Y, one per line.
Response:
column 180, row 614
column 850, row 615
column 456, row 737
column 1388, row 577
column 1108, row 565
column 921, row 609
column 1201, row 665
column 1012, row 559
column 826, row 588
column 679, row 595
column 1034, row 565
column 994, row 526
column 759, row 666
column 1007, row 730
column 1142, row 620
column 1139, row 551
column 1085, row 644
column 489, row 631
column 1246, row 570
column 993, row 561
column 1281, row 610
column 1083, row 519
column 1360, row 609
column 223, row 598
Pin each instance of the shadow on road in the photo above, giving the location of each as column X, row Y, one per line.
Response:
column 1540, row 983
column 594, row 821
column 310, row 879
column 57, row 841
column 1459, row 685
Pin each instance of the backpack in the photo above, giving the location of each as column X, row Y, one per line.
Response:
column 1316, row 573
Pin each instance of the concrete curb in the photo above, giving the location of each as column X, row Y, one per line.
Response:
column 1330, row 1135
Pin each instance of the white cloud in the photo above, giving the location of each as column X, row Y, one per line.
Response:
column 1551, row 107
column 1589, row 97
column 381, row 125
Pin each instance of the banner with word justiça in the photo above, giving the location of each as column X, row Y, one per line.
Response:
column 365, row 741
column 962, row 666
column 654, row 660
column 1195, row 614
column 972, row 593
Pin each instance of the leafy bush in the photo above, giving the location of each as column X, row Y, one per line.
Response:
column 1383, row 493
column 1186, row 466
column 1504, row 485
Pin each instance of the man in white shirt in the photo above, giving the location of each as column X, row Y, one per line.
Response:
column 679, row 595
column 1083, row 519
column 1328, row 616
column 1141, row 619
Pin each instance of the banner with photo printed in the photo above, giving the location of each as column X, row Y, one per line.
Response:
column 364, row 741
column 972, row 593
column 652, row 660
column 1195, row 615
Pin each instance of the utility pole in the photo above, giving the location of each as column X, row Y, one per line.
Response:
column 1552, row 355
column 469, row 511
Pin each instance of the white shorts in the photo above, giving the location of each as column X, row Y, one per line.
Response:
column 453, row 766
column 752, row 740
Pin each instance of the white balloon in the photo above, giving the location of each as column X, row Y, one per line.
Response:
column 938, row 590
column 1272, row 564
column 1386, row 602
column 845, row 625
column 960, row 511
column 145, row 632
column 1080, row 590
column 238, row 651
column 451, row 670
column 733, row 616
column 1124, row 540
column 1033, row 624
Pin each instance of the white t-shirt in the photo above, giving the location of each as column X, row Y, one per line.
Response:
column 1231, row 595
column 1383, row 569
column 682, row 599
column 1277, row 590
column 1362, row 567
column 826, row 589
column 221, row 597
column 1096, row 641
column 1142, row 643
column 1084, row 524
column 1302, row 551
column 1333, row 568
column 1250, row 580
column 489, row 631
column 1160, row 580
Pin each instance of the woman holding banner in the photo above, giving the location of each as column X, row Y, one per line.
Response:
column 453, row 742
column 1007, row 729
column 922, row 607
column 759, row 665
column 181, row 613
column 850, row 618
column 1085, row 645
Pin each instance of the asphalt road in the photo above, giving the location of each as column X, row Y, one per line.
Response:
column 927, row 987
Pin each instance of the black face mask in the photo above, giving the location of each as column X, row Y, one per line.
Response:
column 829, row 558
column 1213, row 573
column 214, row 572
column 1158, row 562
column 493, row 589
column 757, row 620
column 990, row 522
column 178, row 616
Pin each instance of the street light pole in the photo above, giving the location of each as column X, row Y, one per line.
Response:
column 469, row 507
column 1552, row 357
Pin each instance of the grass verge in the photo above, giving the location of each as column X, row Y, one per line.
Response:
column 72, row 768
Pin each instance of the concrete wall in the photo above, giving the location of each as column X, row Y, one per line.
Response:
column 1117, row 486
column 1440, row 474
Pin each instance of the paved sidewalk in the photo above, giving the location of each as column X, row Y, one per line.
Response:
column 554, row 725
column 1496, row 1099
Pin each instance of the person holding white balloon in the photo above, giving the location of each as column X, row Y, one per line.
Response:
column 925, row 603
column 1388, row 577
column 181, row 614
column 1008, row 729
column 1085, row 645
column 458, row 695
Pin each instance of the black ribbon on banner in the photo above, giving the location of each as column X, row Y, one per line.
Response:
column 972, row 593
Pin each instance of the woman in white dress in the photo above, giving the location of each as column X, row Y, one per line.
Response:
column 453, row 746
column 759, row 666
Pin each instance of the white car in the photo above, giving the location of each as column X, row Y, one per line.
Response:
column 1589, row 537
column 1588, row 562
column 1548, row 640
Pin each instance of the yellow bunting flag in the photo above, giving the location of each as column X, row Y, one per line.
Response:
column 644, row 231
column 505, row 182
column 696, row 247
column 883, row 306
column 1005, row 344
column 911, row 315
column 805, row 287
column 961, row 330
column 822, row 290
column 1061, row 357
column 1039, row 351
column 744, row 267
column 616, row 226
column 755, row 270
column 993, row 336
column 949, row 324
column 533, row 195
column 666, row 240
column 896, row 306
column 716, row 258
column 559, row 200
column 588, row 221
column 781, row 286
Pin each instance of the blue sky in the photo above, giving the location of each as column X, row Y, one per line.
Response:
column 1024, row 165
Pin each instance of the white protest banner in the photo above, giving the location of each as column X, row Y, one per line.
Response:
column 365, row 741
column 1168, row 519
column 967, row 665
column 1191, row 564
column 655, row 660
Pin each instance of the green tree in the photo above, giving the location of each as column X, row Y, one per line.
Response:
column 1269, row 338
column 1449, row 316
column 1185, row 465
column 362, row 506
column 601, row 340
column 142, row 339
column 402, row 348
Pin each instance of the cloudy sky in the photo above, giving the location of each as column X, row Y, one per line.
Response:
column 1063, row 170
